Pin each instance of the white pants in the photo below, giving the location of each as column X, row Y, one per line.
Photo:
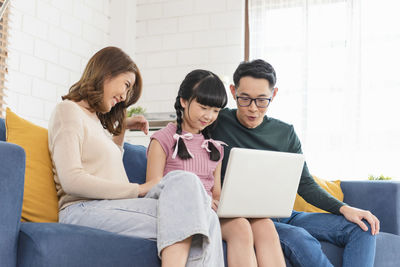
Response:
column 177, row 208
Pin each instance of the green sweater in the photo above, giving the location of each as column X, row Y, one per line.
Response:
column 275, row 135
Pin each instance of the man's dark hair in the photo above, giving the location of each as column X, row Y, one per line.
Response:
column 258, row 69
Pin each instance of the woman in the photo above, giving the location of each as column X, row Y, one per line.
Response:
column 86, row 133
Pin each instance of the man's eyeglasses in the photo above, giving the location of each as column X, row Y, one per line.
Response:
column 261, row 102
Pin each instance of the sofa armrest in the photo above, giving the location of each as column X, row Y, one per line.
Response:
column 135, row 162
column 12, row 174
column 382, row 198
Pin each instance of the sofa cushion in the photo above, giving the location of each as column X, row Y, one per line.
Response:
column 135, row 162
column 40, row 202
column 2, row 130
column 64, row 245
column 387, row 250
column 332, row 188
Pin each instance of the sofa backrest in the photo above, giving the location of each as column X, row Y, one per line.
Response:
column 2, row 130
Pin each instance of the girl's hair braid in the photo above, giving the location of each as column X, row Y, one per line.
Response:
column 183, row 153
column 215, row 155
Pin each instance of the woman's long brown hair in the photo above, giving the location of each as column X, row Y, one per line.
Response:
column 107, row 63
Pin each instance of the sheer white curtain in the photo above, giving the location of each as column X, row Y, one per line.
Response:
column 337, row 64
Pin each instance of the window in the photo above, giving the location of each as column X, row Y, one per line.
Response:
column 337, row 70
column 3, row 53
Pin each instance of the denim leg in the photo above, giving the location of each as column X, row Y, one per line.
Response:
column 359, row 246
column 184, row 210
column 300, row 247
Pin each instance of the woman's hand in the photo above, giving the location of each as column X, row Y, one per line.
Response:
column 137, row 122
column 146, row 187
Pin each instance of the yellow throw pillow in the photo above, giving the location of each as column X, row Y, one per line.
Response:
column 40, row 202
column 332, row 188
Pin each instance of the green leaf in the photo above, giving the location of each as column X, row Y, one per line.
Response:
column 138, row 110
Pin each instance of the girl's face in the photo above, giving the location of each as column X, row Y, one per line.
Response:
column 196, row 116
column 116, row 88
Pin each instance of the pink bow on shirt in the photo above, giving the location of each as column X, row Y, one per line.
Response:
column 214, row 142
column 186, row 136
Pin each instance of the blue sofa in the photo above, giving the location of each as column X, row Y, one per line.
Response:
column 55, row 244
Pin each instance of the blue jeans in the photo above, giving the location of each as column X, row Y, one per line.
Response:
column 299, row 235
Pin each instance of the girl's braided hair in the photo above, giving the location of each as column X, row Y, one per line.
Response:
column 207, row 89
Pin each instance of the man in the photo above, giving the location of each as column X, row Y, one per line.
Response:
column 249, row 127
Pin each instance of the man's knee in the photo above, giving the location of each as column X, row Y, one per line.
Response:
column 355, row 232
column 296, row 236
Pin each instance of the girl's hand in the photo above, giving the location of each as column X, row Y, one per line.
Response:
column 215, row 204
column 137, row 122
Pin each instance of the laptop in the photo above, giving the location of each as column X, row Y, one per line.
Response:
column 260, row 184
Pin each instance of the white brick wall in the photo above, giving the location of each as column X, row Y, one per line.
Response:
column 50, row 43
column 52, row 40
column 174, row 37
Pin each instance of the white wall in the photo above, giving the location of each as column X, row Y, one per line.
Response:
column 174, row 37
column 50, row 43
column 52, row 40
column 122, row 26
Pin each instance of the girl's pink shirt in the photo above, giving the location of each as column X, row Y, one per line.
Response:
column 201, row 165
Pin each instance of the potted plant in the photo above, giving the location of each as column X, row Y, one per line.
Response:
column 380, row 177
column 135, row 110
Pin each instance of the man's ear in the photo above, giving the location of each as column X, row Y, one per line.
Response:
column 275, row 91
column 233, row 91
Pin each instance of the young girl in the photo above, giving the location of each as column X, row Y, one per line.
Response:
column 188, row 146
column 91, row 182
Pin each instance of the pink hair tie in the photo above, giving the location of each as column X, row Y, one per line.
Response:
column 186, row 136
column 214, row 142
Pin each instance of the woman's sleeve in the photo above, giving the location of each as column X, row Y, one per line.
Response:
column 65, row 147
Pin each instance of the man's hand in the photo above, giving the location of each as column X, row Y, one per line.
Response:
column 137, row 122
column 356, row 215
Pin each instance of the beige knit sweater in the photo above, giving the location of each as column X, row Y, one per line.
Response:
column 87, row 164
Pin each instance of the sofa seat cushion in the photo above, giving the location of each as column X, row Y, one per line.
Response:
column 387, row 250
column 63, row 245
column 333, row 252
